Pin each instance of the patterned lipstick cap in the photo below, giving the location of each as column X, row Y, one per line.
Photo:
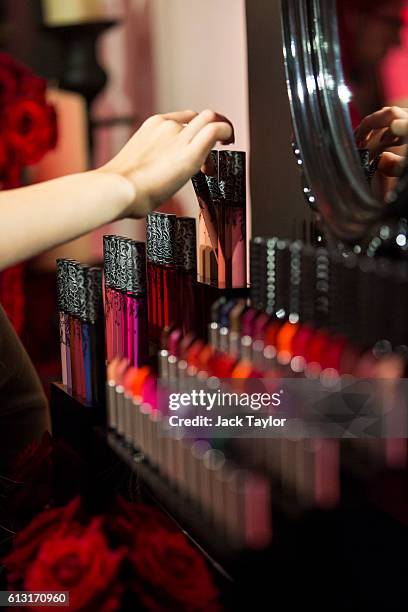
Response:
column 72, row 295
column 165, row 229
column 186, row 244
column 201, row 187
column 122, row 257
column 81, row 291
column 109, row 260
column 61, row 279
column 213, row 181
column 136, row 268
column 232, row 177
column 93, row 288
column 151, row 237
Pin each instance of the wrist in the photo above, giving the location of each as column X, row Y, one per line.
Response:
column 123, row 189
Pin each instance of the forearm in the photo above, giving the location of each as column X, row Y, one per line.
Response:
column 39, row 217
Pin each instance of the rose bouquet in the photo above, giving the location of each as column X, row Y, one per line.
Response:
column 28, row 129
column 133, row 558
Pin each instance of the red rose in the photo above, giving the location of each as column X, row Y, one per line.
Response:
column 30, row 130
column 81, row 563
column 28, row 542
column 17, row 81
column 169, row 574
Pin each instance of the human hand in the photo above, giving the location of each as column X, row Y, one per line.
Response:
column 384, row 129
column 165, row 152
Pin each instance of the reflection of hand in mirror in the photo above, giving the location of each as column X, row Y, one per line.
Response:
column 383, row 130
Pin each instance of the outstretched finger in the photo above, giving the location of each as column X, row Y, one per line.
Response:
column 207, row 137
column 399, row 127
column 378, row 120
column 181, row 116
column 391, row 164
column 207, row 117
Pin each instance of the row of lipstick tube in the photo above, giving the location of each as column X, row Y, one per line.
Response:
column 171, row 272
column 125, row 299
column 227, row 498
column 79, row 295
column 245, row 343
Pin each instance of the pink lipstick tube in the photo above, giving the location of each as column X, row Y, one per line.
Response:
column 232, row 219
column 136, row 308
column 152, row 288
column 222, row 226
column 109, row 257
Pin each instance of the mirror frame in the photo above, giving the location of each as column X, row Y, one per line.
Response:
column 335, row 184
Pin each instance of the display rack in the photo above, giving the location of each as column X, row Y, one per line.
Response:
column 311, row 557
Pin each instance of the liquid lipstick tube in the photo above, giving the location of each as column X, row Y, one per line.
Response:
column 136, row 304
column 95, row 329
column 121, row 284
column 79, row 320
column 208, row 230
column 68, row 328
column 109, row 276
column 75, row 329
column 119, row 302
column 85, row 343
column 166, row 272
column 150, row 278
column 155, row 299
column 61, row 304
column 232, row 225
column 223, row 221
column 186, row 259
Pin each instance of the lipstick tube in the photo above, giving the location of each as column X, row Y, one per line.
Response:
column 151, row 285
column 77, row 370
column 222, row 221
column 123, row 270
column 186, row 260
column 85, row 344
column 74, row 327
column 109, row 277
column 208, row 230
column 63, row 316
column 166, row 271
column 232, row 228
column 136, row 304
column 155, row 298
column 95, row 332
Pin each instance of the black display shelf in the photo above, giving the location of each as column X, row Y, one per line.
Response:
column 350, row 558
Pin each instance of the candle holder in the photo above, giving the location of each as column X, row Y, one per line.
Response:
column 81, row 71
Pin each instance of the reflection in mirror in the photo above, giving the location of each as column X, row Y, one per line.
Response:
column 374, row 51
column 346, row 63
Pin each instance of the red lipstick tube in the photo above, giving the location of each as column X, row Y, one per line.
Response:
column 164, row 258
column 186, row 259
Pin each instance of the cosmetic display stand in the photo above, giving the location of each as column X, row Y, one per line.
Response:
column 305, row 548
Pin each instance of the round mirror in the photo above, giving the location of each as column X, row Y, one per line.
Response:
column 339, row 61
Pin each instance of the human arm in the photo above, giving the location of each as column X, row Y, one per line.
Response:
column 157, row 161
